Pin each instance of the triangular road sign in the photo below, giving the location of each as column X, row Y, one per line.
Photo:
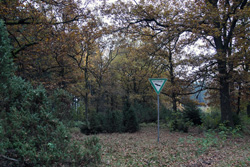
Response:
column 157, row 84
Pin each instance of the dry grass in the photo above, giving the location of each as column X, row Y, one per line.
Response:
column 175, row 149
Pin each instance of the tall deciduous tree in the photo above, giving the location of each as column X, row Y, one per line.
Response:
column 42, row 33
column 156, row 24
column 217, row 23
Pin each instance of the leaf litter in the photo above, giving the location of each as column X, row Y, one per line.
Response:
column 174, row 149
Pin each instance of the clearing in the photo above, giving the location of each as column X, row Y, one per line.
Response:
column 174, row 149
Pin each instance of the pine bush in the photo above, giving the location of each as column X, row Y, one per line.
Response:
column 211, row 119
column 30, row 135
column 145, row 113
column 192, row 112
column 131, row 123
column 176, row 121
column 61, row 103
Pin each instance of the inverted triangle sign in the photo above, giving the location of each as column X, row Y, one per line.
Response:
column 157, row 84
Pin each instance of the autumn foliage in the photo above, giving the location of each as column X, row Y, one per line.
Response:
column 102, row 54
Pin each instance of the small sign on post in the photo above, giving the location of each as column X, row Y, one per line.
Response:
column 158, row 84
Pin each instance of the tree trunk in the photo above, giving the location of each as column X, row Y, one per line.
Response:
column 225, row 102
column 225, row 106
column 86, row 99
column 239, row 100
column 86, row 85
column 174, row 102
column 172, row 77
column 99, row 96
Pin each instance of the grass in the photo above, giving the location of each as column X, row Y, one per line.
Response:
column 174, row 149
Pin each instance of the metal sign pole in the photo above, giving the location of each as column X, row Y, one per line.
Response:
column 158, row 117
column 158, row 84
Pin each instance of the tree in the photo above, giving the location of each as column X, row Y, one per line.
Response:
column 152, row 23
column 42, row 138
column 216, row 23
column 6, row 64
column 42, row 33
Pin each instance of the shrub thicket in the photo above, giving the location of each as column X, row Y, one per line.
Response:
column 245, row 121
column 130, row 120
column 92, row 152
column 177, row 121
column 110, row 122
column 97, row 123
column 145, row 113
column 61, row 104
column 114, row 122
column 211, row 119
column 148, row 114
column 30, row 135
column 182, row 120
column 6, row 65
column 192, row 112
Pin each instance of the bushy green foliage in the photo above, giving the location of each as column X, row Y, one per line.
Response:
column 61, row 103
column 110, row 122
column 236, row 119
column 192, row 112
column 164, row 113
column 79, row 115
column 114, row 122
column 177, row 121
column 30, row 135
column 148, row 114
column 245, row 123
column 94, row 125
column 6, row 65
column 131, row 123
column 92, row 150
column 145, row 113
column 226, row 131
column 4, row 142
column 37, row 137
column 6, row 62
column 211, row 119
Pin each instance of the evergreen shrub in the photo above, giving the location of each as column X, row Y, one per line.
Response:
column 61, row 103
column 145, row 113
column 245, row 122
column 114, row 121
column 236, row 119
column 30, row 135
column 92, row 151
column 211, row 119
column 108, row 122
column 164, row 113
column 111, row 122
column 95, row 124
column 177, row 121
column 192, row 112
column 31, row 132
column 131, row 123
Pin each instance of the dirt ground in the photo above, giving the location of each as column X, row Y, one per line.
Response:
column 191, row 149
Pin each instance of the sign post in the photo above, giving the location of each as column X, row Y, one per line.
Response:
column 158, row 84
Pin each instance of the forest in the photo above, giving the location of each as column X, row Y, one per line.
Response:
column 74, row 71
